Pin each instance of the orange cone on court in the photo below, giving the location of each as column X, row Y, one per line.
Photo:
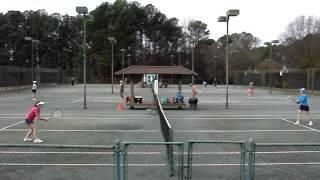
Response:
column 120, row 106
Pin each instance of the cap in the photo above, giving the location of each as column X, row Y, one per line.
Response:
column 302, row 89
column 34, row 81
column 40, row 103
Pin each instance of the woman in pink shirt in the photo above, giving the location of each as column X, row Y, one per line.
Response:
column 34, row 113
column 194, row 90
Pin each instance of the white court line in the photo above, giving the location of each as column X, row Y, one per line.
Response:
column 176, row 115
column 75, row 152
column 284, row 119
column 50, row 152
column 150, row 153
column 270, row 152
column 257, row 164
column 148, row 165
column 84, row 130
column 70, row 164
column 85, row 115
column 170, row 118
column 153, row 131
column 93, row 118
column 236, row 131
column 11, row 125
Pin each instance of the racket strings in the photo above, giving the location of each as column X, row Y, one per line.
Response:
column 57, row 114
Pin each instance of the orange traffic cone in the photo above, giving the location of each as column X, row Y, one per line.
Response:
column 120, row 106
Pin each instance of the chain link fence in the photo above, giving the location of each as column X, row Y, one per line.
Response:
column 293, row 79
column 216, row 160
column 21, row 76
column 286, row 161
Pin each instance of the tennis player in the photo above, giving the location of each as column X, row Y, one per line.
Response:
column 194, row 90
column 34, row 90
column 34, row 113
column 250, row 90
column 121, row 89
column 304, row 106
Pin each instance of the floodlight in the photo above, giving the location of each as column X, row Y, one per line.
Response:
column 111, row 38
column 82, row 10
column 222, row 19
column 28, row 38
column 233, row 12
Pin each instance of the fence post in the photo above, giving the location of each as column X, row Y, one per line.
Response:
column 243, row 162
column 117, row 155
column 181, row 162
column 125, row 162
column 189, row 165
column 250, row 149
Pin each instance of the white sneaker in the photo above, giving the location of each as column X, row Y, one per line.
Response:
column 37, row 141
column 296, row 123
column 27, row 139
column 310, row 123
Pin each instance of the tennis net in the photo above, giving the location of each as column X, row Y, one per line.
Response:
column 166, row 131
column 166, row 128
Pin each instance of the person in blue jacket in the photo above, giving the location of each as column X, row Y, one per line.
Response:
column 304, row 106
column 179, row 97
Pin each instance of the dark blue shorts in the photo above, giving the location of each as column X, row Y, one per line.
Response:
column 304, row 108
column 28, row 121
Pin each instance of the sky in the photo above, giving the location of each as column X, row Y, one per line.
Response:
column 265, row 19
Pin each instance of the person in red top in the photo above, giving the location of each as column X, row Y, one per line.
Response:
column 194, row 90
column 34, row 113
column 250, row 90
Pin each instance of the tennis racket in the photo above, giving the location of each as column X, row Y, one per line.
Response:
column 57, row 114
column 291, row 99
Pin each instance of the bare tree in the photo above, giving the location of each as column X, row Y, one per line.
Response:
column 300, row 28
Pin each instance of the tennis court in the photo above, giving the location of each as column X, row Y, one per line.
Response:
column 81, row 145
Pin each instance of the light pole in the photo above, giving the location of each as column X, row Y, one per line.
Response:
column 231, row 12
column 11, row 52
column 112, row 41
column 67, row 50
column 84, row 10
column 171, row 57
column 270, row 59
column 179, row 57
column 129, row 60
column 192, row 61
column 123, row 51
column 28, row 38
column 37, row 42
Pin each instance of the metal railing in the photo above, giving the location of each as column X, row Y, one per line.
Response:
column 127, row 150
column 205, row 154
column 244, row 160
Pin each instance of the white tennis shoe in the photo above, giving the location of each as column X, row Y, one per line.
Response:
column 27, row 139
column 37, row 141
column 310, row 123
